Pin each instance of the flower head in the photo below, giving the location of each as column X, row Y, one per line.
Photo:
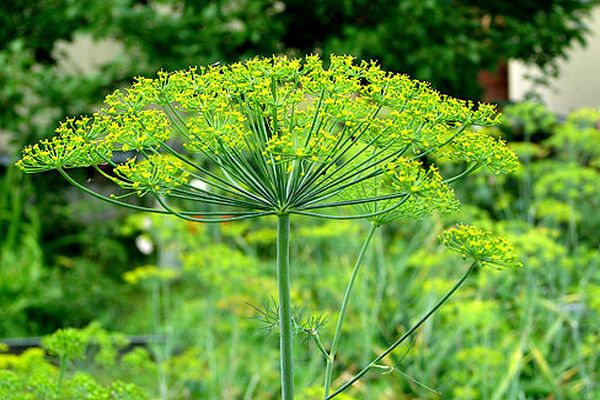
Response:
column 67, row 343
column 277, row 135
column 480, row 246
column 149, row 274
column 484, row 150
column 75, row 145
column 157, row 174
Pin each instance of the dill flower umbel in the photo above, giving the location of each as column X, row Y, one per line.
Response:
column 276, row 135
column 480, row 246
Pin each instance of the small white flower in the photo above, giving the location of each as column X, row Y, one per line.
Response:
column 144, row 244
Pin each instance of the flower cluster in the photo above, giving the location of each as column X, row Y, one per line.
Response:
column 67, row 343
column 579, row 136
column 157, row 174
column 486, row 151
column 280, row 135
column 480, row 246
column 225, row 131
column 426, row 189
column 570, row 183
column 139, row 131
column 149, row 274
column 75, row 145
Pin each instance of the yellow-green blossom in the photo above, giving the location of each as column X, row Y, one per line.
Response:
column 484, row 150
column 480, row 246
column 148, row 274
column 139, row 131
column 157, row 174
column 279, row 134
column 76, row 145
column 426, row 189
column 67, row 343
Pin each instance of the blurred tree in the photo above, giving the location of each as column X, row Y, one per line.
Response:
column 176, row 34
column 40, row 23
column 448, row 42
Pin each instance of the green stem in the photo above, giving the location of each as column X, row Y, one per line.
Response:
column 61, row 374
column 285, row 307
column 406, row 335
column 340, row 321
column 317, row 339
column 465, row 172
column 105, row 198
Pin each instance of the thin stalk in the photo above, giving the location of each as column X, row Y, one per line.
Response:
column 317, row 339
column 357, row 216
column 343, row 308
column 343, row 203
column 467, row 171
column 285, row 307
column 61, row 374
column 197, row 217
column 251, row 387
column 379, row 288
column 159, row 348
column 406, row 334
column 105, row 198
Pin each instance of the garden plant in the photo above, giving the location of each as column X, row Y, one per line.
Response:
column 283, row 138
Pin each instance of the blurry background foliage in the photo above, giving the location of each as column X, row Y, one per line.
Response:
column 66, row 259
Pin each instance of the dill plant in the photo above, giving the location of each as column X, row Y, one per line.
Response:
column 283, row 137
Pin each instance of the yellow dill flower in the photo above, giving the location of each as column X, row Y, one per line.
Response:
column 64, row 151
column 426, row 188
column 139, row 131
column 280, row 134
column 484, row 150
column 480, row 246
column 149, row 274
column 157, row 174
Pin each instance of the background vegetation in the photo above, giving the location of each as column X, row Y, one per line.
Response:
column 67, row 260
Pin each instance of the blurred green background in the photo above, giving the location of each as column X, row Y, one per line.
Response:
column 67, row 260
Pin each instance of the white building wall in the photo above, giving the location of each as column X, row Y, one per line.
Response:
column 579, row 82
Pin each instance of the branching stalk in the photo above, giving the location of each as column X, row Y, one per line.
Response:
column 406, row 335
column 343, row 308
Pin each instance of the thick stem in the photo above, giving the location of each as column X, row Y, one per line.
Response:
column 340, row 321
column 285, row 307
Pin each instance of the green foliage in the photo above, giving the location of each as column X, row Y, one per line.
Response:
column 67, row 344
column 437, row 37
column 528, row 119
column 31, row 376
column 457, row 354
column 44, row 23
column 525, row 334
column 578, row 138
